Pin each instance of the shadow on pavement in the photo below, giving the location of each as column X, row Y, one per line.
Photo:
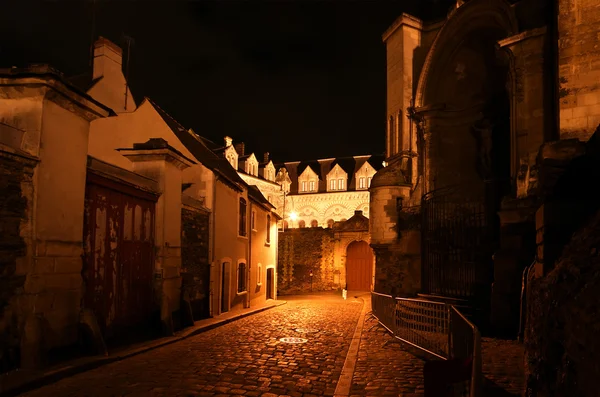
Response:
column 491, row 389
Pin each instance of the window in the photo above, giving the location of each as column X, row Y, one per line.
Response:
column 253, row 220
column 268, row 229
column 303, row 186
column 341, row 184
column 361, row 183
column 312, row 186
column 332, row 184
column 242, row 277
column 242, row 217
column 369, row 182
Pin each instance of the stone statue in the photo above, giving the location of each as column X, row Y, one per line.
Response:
column 482, row 130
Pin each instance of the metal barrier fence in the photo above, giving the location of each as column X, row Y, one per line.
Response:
column 437, row 329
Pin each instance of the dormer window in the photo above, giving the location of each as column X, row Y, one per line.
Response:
column 364, row 175
column 336, row 179
column 308, row 181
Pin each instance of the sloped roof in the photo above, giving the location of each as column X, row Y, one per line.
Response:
column 196, row 146
column 357, row 222
column 84, row 81
column 255, row 194
column 322, row 167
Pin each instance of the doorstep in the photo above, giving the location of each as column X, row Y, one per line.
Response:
column 19, row 381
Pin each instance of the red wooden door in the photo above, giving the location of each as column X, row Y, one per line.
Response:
column 359, row 266
column 119, row 254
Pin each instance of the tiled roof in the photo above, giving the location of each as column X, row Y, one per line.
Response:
column 196, row 146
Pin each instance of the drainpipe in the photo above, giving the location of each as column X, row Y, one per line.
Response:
column 249, row 250
column 213, row 228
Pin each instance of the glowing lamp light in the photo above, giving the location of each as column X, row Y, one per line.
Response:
column 293, row 216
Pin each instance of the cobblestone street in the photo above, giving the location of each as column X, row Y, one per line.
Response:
column 244, row 357
column 385, row 369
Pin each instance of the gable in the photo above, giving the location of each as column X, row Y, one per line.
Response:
column 308, row 174
column 336, row 172
column 366, row 169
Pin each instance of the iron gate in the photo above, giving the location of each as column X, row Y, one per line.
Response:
column 457, row 245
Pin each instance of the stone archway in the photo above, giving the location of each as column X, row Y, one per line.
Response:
column 463, row 98
column 466, row 140
column 359, row 266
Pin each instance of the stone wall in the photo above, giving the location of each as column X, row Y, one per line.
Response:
column 195, row 261
column 14, row 172
column 302, row 251
column 579, row 67
column 398, row 263
column 562, row 344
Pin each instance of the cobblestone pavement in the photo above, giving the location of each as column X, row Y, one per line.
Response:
column 388, row 370
column 503, row 367
column 244, row 357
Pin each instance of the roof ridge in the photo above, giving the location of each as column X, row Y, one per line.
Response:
column 165, row 112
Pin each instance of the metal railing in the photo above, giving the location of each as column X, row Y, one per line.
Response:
column 437, row 329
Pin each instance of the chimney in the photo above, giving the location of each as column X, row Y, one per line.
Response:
column 358, row 212
column 239, row 148
column 228, row 141
column 108, row 58
column 266, row 157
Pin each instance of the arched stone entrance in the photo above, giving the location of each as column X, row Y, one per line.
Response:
column 466, row 142
column 359, row 266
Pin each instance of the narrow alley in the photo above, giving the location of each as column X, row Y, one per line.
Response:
column 245, row 357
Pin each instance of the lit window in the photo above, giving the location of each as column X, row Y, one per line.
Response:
column 268, row 228
column 303, row 186
column 242, row 277
column 242, row 217
column 369, row 182
column 332, row 183
column 341, row 184
column 312, row 186
column 361, row 182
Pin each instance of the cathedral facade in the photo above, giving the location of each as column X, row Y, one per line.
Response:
column 491, row 106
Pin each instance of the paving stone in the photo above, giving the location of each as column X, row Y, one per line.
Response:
column 227, row 360
column 385, row 369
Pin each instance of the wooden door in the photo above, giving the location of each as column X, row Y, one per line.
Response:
column 119, row 254
column 359, row 266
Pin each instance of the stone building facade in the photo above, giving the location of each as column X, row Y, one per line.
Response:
column 491, row 111
column 328, row 196
column 326, row 191
column 115, row 218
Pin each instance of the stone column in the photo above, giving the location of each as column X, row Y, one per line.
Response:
column 159, row 161
column 530, row 125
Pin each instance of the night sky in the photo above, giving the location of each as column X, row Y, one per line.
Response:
column 301, row 79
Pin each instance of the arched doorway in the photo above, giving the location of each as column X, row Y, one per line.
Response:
column 359, row 266
column 466, row 148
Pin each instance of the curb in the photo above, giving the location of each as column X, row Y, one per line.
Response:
column 96, row 361
column 344, row 384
